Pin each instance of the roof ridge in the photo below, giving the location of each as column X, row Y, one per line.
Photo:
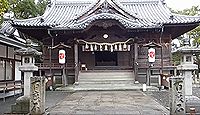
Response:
column 73, row 2
column 139, row 1
column 188, row 16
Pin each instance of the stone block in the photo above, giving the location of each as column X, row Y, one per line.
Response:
column 21, row 106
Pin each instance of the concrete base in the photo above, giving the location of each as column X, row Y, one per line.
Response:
column 192, row 102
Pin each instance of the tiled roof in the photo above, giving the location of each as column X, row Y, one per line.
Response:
column 6, row 28
column 130, row 13
column 7, row 36
column 10, row 41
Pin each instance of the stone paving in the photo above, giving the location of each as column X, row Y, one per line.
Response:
column 108, row 102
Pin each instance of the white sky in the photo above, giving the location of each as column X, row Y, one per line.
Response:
column 182, row 4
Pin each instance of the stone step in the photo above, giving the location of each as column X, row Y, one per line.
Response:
column 111, row 75
column 108, row 82
column 105, row 80
column 106, row 73
column 113, row 87
column 100, row 71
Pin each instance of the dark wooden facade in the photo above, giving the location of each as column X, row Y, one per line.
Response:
column 133, row 24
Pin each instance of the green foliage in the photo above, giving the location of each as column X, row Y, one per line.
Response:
column 24, row 9
column 189, row 11
column 176, row 58
column 41, row 5
column 4, row 5
column 195, row 33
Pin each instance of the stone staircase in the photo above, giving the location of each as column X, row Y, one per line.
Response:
column 107, row 80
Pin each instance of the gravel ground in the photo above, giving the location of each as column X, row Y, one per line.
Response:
column 163, row 96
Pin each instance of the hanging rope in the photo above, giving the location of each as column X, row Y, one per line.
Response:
column 96, row 43
column 116, row 46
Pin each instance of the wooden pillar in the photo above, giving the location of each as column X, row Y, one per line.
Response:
column 76, row 62
column 161, row 43
column 148, row 78
column 64, row 77
column 66, row 73
column 161, row 58
column 136, row 61
column 50, row 56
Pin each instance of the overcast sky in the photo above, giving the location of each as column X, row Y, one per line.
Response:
column 182, row 4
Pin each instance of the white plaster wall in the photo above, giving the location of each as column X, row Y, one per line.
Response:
column 2, row 69
column 2, row 51
column 17, row 72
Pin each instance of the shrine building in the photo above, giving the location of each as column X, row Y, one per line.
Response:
column 107, row 35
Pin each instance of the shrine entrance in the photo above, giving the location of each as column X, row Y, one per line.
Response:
column 105, row 58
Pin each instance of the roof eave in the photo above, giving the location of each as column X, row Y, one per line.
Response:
column 11, row 42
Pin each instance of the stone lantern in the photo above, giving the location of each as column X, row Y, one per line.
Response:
column 33, row 101
column 187, row 65
column 186, row 68
column 28, row 60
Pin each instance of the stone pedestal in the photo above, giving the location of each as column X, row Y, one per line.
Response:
column 177, row 102
column 21, row 106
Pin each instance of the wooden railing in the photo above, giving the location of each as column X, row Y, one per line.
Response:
column 53, row 66
column 9, row 88
column 156, row 65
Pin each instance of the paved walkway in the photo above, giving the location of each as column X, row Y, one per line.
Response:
column 108, row 102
